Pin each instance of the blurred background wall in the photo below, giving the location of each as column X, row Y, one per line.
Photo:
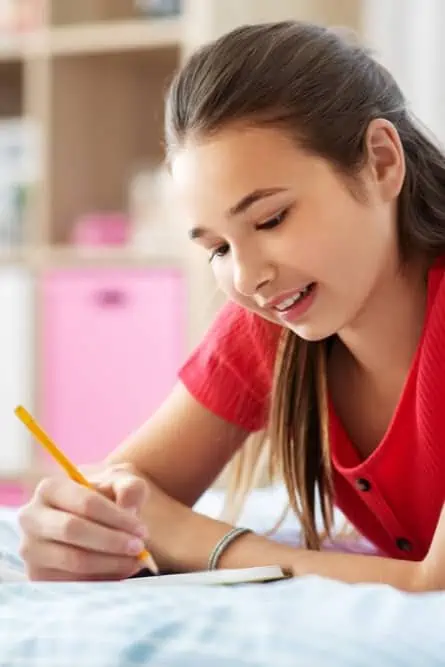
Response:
column 101, row 295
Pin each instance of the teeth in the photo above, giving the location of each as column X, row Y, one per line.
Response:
column 288, row 303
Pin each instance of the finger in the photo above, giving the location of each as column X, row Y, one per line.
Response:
column 46, row 574
column 104, row 479
column 125, row 488
column 56, row 525
column 73, row 498
column 74, row 562
column 39, row 574
column 130, row 492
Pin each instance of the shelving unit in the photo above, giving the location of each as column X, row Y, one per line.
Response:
column 91, row 79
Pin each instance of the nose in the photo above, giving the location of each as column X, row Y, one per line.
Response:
column 251, row 274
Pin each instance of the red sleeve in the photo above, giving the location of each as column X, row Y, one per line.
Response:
column 231, row 370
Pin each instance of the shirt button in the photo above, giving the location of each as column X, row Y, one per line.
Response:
column 403, row 544
column 363, row 484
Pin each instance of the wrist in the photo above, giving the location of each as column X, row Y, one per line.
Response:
column 225, row 543
column 167, row 521
column 196, row 539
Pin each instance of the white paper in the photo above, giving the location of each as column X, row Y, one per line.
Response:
column 213, row 578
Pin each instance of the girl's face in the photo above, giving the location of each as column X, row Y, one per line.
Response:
column 285, row 236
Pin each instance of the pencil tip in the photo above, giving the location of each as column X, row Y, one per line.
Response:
column 149, row 562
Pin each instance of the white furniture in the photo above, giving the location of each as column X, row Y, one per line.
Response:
column 16, row 366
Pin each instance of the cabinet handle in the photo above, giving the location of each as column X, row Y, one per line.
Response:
column 111, row 297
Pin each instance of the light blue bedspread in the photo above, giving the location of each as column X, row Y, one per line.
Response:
column 309, row 622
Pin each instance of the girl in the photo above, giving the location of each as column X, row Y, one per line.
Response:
column 321, row 207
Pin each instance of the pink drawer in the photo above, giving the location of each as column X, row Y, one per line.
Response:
column 12, row 495
column 112, row 344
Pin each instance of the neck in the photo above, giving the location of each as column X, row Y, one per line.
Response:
column 384, row 336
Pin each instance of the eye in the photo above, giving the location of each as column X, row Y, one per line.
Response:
column 220, row 251
column 275, row 221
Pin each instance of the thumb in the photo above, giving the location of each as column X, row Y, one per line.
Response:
column 130, row 492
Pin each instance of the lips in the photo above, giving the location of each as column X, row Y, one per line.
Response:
column 288, row 300
column 291, row 307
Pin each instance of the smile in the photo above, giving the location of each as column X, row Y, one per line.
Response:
column 287, row 304
column 293, row 307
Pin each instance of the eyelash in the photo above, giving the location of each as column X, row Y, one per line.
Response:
column 269, row 224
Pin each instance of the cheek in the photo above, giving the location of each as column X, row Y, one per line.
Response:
column 357, row 252
column 342, row 236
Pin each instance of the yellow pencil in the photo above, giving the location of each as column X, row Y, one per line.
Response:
column 75, row 474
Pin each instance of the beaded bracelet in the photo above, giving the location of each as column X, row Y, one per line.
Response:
column 222, row 545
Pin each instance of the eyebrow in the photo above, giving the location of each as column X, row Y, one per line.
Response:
column 240, row 207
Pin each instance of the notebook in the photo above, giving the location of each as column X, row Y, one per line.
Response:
column 250, row 575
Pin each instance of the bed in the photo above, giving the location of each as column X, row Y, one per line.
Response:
column 307, row 622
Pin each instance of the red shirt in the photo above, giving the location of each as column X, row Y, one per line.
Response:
column 394, row 497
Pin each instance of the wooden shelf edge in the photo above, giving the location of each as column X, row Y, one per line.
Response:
column 115, row 36
column 90, row 38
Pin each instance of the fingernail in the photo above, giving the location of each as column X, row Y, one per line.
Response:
column 134, row 547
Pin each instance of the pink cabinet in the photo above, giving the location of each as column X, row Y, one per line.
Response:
column 112, row 342
column 12, row 495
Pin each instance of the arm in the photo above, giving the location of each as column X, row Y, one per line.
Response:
column 182, row 448
column 253, row 550
column 182, row 540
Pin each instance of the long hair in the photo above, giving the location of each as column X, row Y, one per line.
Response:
column 323, row 90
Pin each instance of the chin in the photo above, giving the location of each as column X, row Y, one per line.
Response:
column 312, row 333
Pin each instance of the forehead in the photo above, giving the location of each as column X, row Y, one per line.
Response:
column 234, row 161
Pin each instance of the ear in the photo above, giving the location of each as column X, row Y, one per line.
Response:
column 386, row 159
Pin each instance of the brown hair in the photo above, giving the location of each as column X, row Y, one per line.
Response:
column 324, row 90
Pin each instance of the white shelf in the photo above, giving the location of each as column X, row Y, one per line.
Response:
column 12, row 48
